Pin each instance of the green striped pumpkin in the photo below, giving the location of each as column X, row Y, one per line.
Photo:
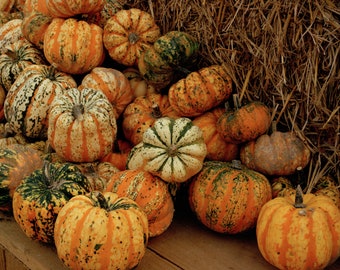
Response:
column 27, row 102
column 82, row 125
column 172, row 149
column 227, row 198
column 17, row 56
column 101, row 231
column 40, row 196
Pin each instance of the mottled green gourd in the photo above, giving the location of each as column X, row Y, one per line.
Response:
column 176, row 47
column 40, row 196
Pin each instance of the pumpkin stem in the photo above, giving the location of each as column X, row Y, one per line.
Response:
column 236, row 164
column 47, row 172
column 299, row 198
column 133, row 38
column 78, row 111
column 156, row 112
column 101, row 200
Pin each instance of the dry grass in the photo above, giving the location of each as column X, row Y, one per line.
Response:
column 284, row 53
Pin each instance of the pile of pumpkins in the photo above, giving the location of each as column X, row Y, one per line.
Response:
column 103, row 119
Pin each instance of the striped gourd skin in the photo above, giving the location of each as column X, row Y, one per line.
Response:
column 200, row 91
column 34, row 26
column 70, row 8
column 91, row 236
column 176, row 47
column 299, row 238
column 16, row 162
column 173, row 149
column 128, row 33
column 113, row 84
column 84, row 136
column 73, row 46
column 28, row 100
column 228, row 200
column 149, row 192
column 40, row 196
column 141, row 114
column 15, row 59
column 110, row 8
column 35, row 5
column 217, row 148
column 9, row 33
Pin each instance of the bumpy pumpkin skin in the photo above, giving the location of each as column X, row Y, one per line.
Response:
column 200, row 91
column 101, row 231
column 29, row 98
column 40, row 196
column 227, row 199
column 280, row 153
column 82, row 126
column 245, row 123
column 150, row 193
column 113, row 84
column 73, row 46
column 142, row 113
column 128, row 33
column 299, row 238
column 70, row 8
column 217, row 147
column 172, row 149
column 16, row 162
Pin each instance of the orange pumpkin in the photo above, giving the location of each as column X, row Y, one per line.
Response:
column 73, row 46
column 141, row 114
column 139, row 86
column 7, row 5
column 299, row 231
column 128, row 33
column 113, row 84
column 244, row 123
column 149, row 192
column 227, row 198
column 9, row 33
column 119, row 155
column 279, row 153
column 217, row 147
column 200, row 91
column 70, row 8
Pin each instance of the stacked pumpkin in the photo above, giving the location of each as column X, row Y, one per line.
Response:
column 115, row 122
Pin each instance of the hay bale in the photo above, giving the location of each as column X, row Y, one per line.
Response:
column 284, row 53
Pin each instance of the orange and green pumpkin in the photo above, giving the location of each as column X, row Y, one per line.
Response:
column 73, row 46
column 70, row 8
column 227, row 197
column 149, row 192
column 101, row 231
column 128, row 33
column 82, row 125
column 40, row 196
column 200, row 91
column 16, row 162
column 28, row 100
column 301, row 231
column 10, row 32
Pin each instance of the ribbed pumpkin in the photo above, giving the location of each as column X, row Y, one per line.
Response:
column 227, row 197
column 217, row 148
column 128, row 33
column 40, row 196
column 244, row 123
column 73, row 46
column 9, row 33
column 82, row 126
column 35, row 5
column 299, row 231
column 101, row 231
column 279, row 153
column 15, row 59
column 139, row 86
column 98, row 174
column 327, row 186
column 16, row 162
column 200, row 91
column 150, row 193
column 172, row 149
column 70, row 8
column 113, row 84
column 142, row 113
column 29, row 98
